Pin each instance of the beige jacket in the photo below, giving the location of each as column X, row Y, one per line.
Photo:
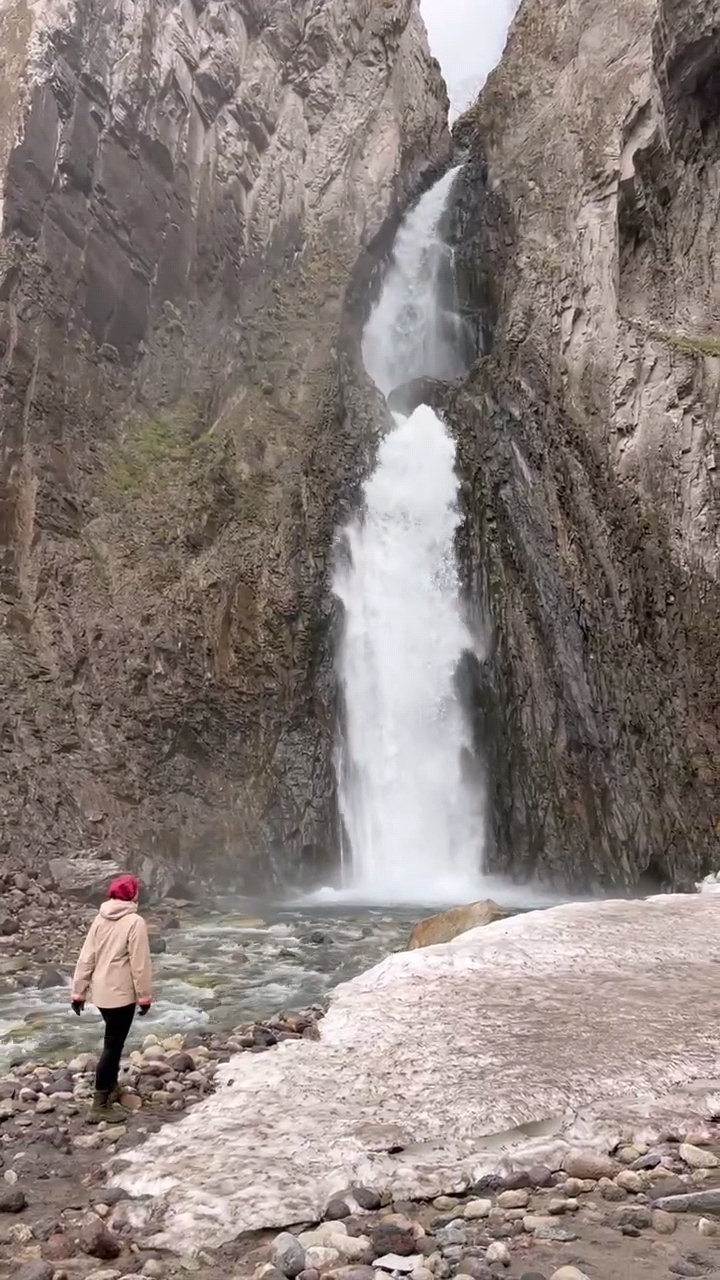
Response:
column 114, row 966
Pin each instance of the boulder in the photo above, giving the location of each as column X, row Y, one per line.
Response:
column 83, row 877
column 449, row 924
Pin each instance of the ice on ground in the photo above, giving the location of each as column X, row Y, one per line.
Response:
column 573, row 1023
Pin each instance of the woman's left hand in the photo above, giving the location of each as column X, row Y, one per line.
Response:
column 77, row 1005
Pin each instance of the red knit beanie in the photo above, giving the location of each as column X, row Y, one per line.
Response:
column 126, row 888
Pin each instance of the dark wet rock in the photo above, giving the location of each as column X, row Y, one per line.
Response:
column 337, row 1210
column 157, row 944
column 367, row 1198
column 487, row 1184
column 8, row 925
column 12, row 1199
column 97, row 1241
column 182, row 1063
column 517, row 1180
column 51, row 978
column 540, row 1176
column 388, row 1237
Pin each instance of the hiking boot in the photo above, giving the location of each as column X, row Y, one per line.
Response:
column 104, row 1109
column 116, row 1096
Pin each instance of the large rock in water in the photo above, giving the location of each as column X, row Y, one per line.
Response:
column 184, row 199
column 586, row 247
column 448, row 924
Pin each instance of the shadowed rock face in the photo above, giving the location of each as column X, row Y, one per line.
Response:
column 585, row 233
column 185, row 193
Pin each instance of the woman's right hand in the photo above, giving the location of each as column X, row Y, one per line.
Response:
column 144, row 1007
column 77, row 1005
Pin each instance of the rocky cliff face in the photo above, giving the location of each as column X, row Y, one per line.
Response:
column 586, row 233
column 186, row 187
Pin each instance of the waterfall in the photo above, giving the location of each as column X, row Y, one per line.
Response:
column 412, row 815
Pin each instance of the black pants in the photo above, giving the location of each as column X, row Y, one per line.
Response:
column 117, row 1025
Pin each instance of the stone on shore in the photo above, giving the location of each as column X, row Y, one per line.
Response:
column 697, row 1157
column 589, row 1164
column 450, row 924
column 288, row 1255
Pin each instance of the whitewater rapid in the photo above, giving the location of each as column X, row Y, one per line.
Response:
column 410, row 795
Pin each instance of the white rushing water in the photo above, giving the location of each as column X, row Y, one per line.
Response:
column 411, row 811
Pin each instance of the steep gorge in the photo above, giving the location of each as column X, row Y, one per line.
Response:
column 585, row 226
column 187, row 188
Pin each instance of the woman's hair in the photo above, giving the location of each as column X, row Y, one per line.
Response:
column 125, row 888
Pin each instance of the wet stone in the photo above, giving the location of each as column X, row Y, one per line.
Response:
column 367, row 1198
column 12, row 1200
column 387, row 1237
column 337, row 1210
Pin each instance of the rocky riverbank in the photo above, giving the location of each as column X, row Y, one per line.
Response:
column 54, row 1210
column 644, row 1210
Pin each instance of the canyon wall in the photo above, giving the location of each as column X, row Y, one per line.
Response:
column 186, row 189
column 585, row 227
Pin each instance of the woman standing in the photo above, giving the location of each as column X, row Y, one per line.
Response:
column 115, row 970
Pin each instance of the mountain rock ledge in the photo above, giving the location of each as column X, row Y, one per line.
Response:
column 186, row 190
column 585, row 226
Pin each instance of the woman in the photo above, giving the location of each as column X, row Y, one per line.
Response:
column 115, row 969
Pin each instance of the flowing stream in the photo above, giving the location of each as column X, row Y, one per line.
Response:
column 410, row 801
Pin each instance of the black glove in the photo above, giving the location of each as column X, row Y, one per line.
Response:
column 77, row 1006
column 144, row 1008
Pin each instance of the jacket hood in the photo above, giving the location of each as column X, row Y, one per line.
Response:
column 115, row 909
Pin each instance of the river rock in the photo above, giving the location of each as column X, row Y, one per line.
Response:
column 12, row 1200
column 697, row 1157
column 589, row 1164
column 690, row 1202
column 664, row 1223
column 449, row 924
column 288, row 1255
column 337, row 1210
column 35, row 1271
column 367, row 1198
column 387, row 1237
column 569, row 1273
column 631, row 1180
column 97, row 1241
column 498, row 1252
column 513, row 1199
column 477, row 1209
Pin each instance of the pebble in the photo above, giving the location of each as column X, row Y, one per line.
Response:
column 686, row 1267
column 477, row 1209
column 706, row 1227
column 569, row 1273
column 444, row 1204
column 514, row 1199
column 631, row 1180
column 337, row 1210
column 664, row 1223
column 498, row 1252
column 696, row 1157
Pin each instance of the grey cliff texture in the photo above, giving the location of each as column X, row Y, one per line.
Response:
column 186, row 190
column 586, row 234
